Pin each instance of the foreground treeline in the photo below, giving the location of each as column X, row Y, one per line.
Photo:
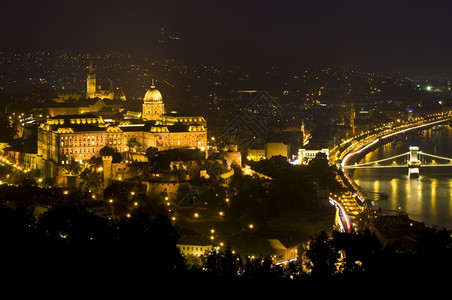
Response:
column 70, row 240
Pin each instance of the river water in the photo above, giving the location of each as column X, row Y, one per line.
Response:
column 426, row 199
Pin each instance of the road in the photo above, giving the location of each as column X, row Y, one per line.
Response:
column 360, row 145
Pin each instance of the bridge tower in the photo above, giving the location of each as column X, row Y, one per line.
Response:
column 414, row 162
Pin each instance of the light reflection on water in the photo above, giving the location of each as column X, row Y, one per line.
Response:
column 426, row 199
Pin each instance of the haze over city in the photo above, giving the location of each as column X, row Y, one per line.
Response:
column 384, row 35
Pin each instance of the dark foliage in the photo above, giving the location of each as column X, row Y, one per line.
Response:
column 70, row 241
column 70, row 238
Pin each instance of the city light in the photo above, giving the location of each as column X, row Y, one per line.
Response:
column 233, row 163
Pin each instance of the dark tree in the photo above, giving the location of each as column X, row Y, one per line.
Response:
column 360, row 250
column 71, row 237
column 7, row 130
column 109, row 151
column 322, row 256
column 249, row 203
column 134, row 145
column 17, row 231
column 152, row 153
column 92, row 181
column 106, row 151
column 148, row 244
column 224, row 264
column 118, row 192
column 324, row 173
column 434, row 250
column 294, row 190
column 260, row 268
column 73, row 168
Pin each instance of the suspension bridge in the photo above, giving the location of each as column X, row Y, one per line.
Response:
column 413, row 159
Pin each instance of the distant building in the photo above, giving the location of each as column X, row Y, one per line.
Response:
column 273, row 248
column 277, row 149
column 268, row 151
column 396, row 226
column 81, row 136
column 194, row 245
column 306, row 155
column 93, row 90
column 153, row 106
column 256, row 154
column 99, row 107
column 67, row 95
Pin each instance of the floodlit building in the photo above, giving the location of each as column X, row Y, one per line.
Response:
column 306, row 155
column 277, row 149
column 93, row 90
column 194, row 245
column 268, row 151
column 153, row 106
column 81, row 136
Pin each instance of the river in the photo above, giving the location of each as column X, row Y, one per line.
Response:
column 426, row 199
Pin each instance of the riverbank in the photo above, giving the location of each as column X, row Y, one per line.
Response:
column 426, row 199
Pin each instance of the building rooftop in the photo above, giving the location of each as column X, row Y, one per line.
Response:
column 179, row 114
column 197, row 240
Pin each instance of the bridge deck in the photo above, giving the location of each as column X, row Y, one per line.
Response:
column 412, row 160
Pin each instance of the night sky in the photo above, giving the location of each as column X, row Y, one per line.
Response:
column 384, row 34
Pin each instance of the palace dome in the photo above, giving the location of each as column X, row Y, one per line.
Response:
column 152, row 95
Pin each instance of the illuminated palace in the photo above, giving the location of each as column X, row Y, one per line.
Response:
column 80, row 137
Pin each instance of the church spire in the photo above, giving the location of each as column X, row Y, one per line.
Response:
column 91, row 85
column 90, row 67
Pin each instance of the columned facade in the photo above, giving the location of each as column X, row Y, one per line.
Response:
column 153, row 106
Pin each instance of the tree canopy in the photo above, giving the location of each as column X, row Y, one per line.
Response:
column 70, row 237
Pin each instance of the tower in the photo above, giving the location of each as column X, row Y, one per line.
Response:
column 107, row 169
column 91, row 86
column 414, row 162
column 153, row 106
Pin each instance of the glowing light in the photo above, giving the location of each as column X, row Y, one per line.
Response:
column 344, row 219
